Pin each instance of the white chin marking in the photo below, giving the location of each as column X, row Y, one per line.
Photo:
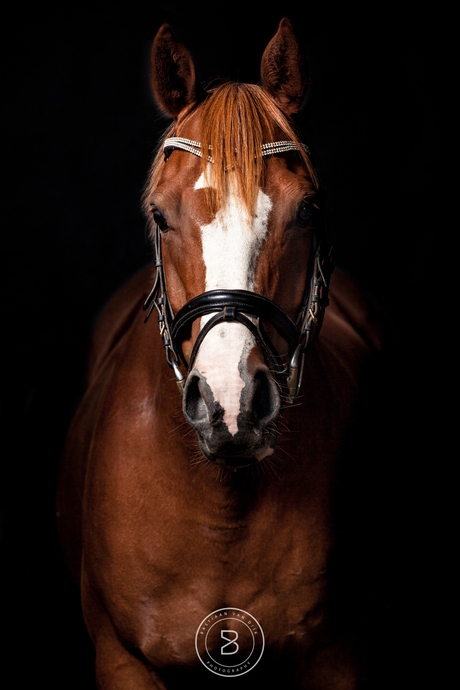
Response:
column 231, row 244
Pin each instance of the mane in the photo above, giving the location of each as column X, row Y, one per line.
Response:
column 236, row 119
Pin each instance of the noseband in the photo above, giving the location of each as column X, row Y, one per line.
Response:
column 236, row 305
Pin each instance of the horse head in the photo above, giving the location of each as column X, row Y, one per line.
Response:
column 232, row 198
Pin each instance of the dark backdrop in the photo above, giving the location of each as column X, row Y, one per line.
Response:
column 79, row 135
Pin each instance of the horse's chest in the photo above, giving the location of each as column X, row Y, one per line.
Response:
column 163, row 571
column 278, row 583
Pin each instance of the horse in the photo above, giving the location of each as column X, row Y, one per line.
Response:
column 199, row 488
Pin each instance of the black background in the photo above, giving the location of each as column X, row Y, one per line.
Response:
column 80, row 131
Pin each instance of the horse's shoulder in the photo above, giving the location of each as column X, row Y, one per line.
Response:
column 352, row 306
column 117, row 318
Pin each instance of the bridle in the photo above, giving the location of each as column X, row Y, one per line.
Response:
column 236, row 305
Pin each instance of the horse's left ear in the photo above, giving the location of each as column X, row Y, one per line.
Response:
column 284, row 69
column 172, row 73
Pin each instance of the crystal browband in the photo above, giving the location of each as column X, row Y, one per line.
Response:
column 195, row 147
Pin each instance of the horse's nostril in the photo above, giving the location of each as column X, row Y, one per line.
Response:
column 256, row 408
column 200, row 408
column 265, row 401
column 194, row 404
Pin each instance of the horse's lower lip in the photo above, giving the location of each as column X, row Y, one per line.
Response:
column 235, row 463
column 231, row 461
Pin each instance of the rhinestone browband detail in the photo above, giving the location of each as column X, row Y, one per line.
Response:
column 195, row 147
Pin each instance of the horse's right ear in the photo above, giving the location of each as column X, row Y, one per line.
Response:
column 172, row 73
column 284, row 69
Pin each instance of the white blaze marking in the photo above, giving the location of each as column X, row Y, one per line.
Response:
column 231, row 244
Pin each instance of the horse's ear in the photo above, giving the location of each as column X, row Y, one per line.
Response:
column 284, row 69
column 172, row 73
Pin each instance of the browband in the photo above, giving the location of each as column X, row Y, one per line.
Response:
column 194, row 147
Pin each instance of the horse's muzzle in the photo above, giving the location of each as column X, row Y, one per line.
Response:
column 255, row 437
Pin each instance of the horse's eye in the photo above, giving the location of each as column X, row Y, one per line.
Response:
column 303, row 214
column 159, row 219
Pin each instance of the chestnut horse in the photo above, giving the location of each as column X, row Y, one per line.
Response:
column 173, row 519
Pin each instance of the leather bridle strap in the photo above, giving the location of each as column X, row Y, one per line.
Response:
column 158, row 299
column 234, row 305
